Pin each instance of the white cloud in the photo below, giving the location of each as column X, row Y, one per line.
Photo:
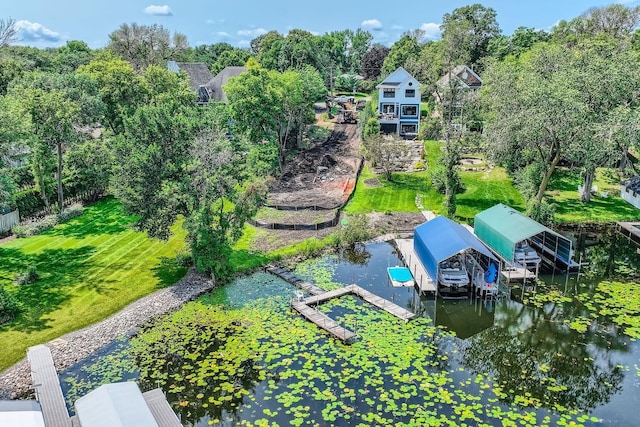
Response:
column 244, row 43
column 431, row 30
column 397, row 27
column 252, row 33
column 372, row 24
column 30, row 32
column 222, row 34
column 158, row 10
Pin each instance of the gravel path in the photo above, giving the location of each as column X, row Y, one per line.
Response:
column 15, row 382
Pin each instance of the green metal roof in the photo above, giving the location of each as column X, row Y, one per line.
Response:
column 501, row 227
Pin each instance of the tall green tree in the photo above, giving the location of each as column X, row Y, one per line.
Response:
column 169, row 164
column 274, row 106
column 61, row 106
column 480, row 24
column 15, row 129
column 120, row 87
column 405, row 48
column 144, row 45
column 54, row 117
column 535, row 109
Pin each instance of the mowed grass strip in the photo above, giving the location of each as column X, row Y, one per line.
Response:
column 90, row 268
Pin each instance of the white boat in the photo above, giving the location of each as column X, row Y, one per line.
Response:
column 452, row 273
column 525, row 254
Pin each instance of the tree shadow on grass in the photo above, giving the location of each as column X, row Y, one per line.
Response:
column 599, row 208
column 169, row 272
column 103, row 217
column 479, row 205
column 60, row 270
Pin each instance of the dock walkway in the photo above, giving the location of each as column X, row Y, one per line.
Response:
column 319, row 295
column 323, row 321
column 296, row 281
column 516, row 271
column 47, row 387
column 420, row 275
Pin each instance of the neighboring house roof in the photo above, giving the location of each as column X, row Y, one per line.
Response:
column 632, row 184
column 464, row 75
column 198, row 72
column 398, row 77
column 215, row 85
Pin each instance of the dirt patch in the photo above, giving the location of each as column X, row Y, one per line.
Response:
column 372, row 183
column 395, row 222
column 319, row 175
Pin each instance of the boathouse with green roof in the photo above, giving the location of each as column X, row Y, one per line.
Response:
column 502, row 228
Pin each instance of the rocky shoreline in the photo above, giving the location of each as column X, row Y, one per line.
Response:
column 15, row 382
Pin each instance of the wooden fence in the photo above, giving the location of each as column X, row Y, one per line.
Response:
column 9, row 220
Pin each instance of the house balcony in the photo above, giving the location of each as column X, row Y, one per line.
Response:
column 388, row 117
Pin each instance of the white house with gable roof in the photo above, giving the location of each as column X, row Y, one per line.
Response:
column 399, row 104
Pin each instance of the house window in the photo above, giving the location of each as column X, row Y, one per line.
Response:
column 410, row 110
column 388, row 108
column 410, row 93
column 408, row 128
column 388, row 93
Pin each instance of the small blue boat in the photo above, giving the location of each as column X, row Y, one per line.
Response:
column 400, row 276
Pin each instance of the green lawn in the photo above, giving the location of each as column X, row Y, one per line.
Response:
column 396, row 196
column 564, row 194
column 90, row 267
column 482, row 190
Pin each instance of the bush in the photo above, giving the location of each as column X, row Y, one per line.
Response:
column 8, row 307
column 439, row 178
column 543, row 212
column 27, row 277
column 29, row 202
column 32, row 228
column 71, row 212
column 184, row 258
column 355, row 230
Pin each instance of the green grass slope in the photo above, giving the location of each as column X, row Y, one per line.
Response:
column 89, row 267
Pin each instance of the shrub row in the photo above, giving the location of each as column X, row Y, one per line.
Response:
column 32, row 228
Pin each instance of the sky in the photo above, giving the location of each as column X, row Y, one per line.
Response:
column 51, row 23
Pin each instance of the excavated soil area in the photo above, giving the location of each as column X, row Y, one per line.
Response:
column 321, row 176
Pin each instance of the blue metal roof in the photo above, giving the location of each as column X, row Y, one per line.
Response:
column 441, row 238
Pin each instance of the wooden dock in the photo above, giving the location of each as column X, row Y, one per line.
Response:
column 295, row 280
column 381, row 303
column 630, row 230
column 323, row 321
column 516, row 271
column 423, row 281
column 319, row 295
column 47, row 387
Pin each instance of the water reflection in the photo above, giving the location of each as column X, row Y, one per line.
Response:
column 533, row 352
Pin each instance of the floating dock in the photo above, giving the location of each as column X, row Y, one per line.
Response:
column 295, row 280
column 410, row 259
column 319, row 295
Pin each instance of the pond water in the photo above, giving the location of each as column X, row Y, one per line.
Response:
column 560, row 352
